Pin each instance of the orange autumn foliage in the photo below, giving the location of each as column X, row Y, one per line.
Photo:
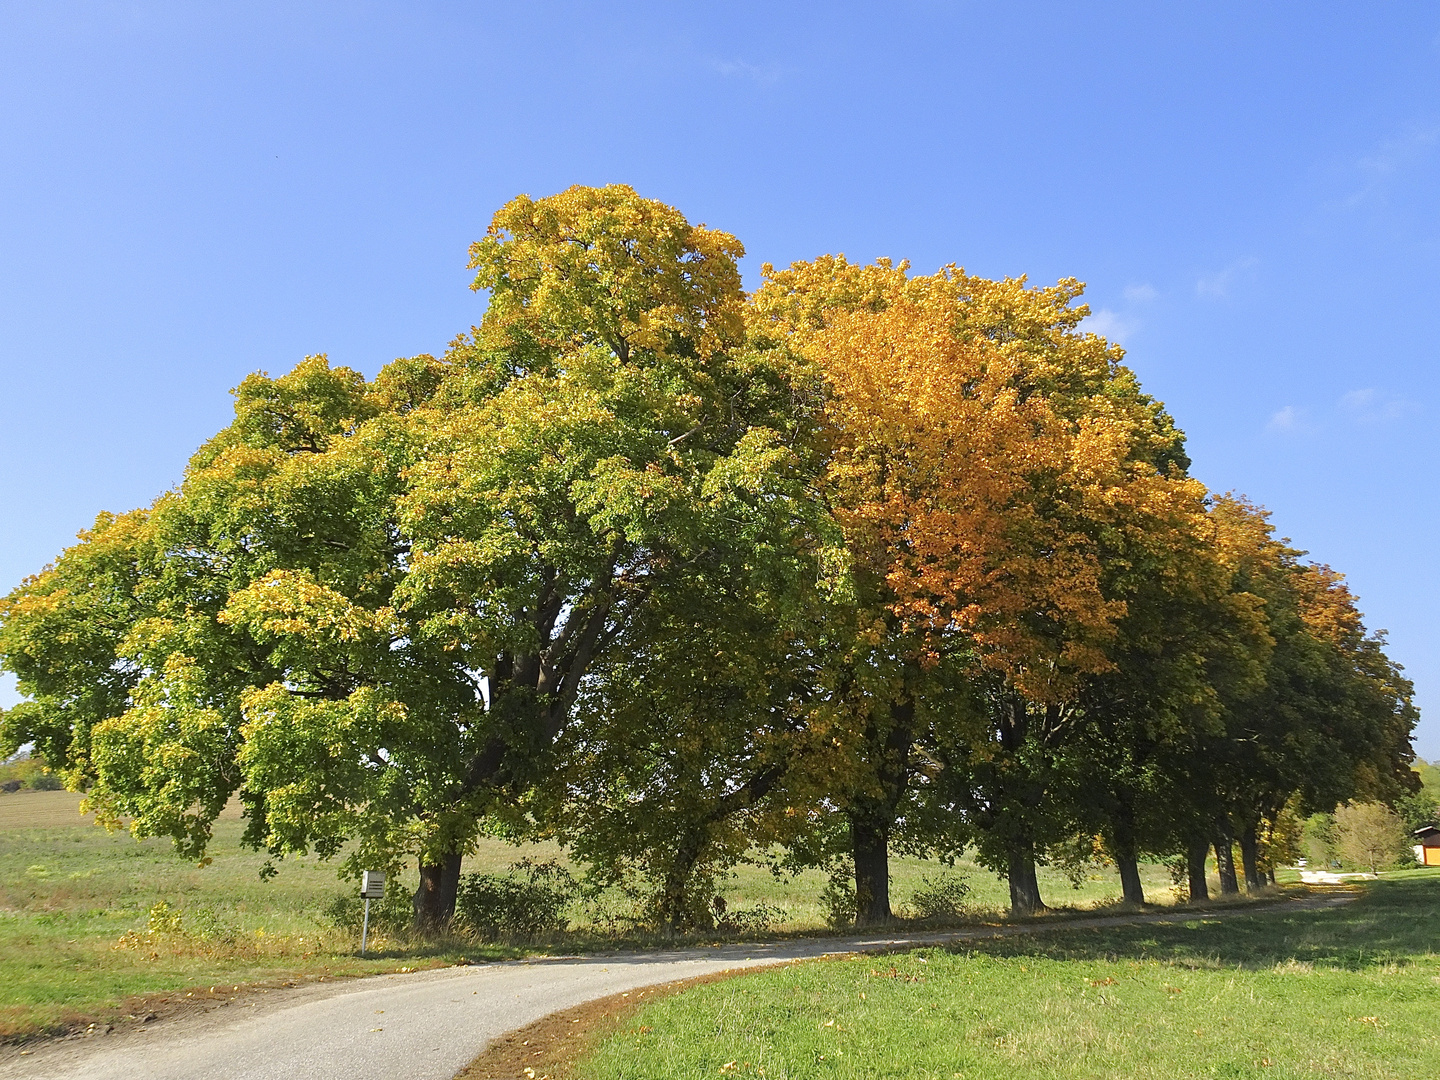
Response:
column 981, row 460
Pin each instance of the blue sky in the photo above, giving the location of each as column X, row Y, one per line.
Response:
column 189, row 192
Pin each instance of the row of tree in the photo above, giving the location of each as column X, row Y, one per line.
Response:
column 864, row 561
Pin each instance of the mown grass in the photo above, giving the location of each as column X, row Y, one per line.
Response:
column 74, row 904
column 1348, row 991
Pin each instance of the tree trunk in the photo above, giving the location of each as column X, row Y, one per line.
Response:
column 435, row 897
column 868, row 842
column 1225, row 865
column 1024, row 887
column 1250, row 859
column 674, row 905
column 1123, row 850
column 1130, row 888
column 1195, row 857
column 872, row 814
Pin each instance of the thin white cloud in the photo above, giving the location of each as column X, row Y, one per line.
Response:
column 761, row 74
column 1369, row 406
column 1111, row 325
column 1140, row 294
column 1390, row 158
column 1287, row 419
column 1219, row 285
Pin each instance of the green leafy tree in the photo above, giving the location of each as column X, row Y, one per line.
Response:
column 1371, row 835
column 370, row 607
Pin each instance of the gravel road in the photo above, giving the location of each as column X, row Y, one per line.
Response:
column 428, row 1025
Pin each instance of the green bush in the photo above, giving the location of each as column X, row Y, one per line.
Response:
column 527, row 901
column 393, row 915
column 46, row 781
column 940, row 897
column 838, row 899
column 750, row 920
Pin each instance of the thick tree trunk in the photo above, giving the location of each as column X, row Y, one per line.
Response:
column 1225, row 866
column 1195, row 856
column 674, row 901
column 1024, row 887
column 871, row 815
column 870, row 847
column 1250, row 859
column 435, row 897
column 1130, row 888
column 1122, row 825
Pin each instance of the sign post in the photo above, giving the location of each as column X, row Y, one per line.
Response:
column 372, row 887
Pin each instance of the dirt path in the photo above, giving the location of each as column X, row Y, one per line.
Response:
column 429, row 1025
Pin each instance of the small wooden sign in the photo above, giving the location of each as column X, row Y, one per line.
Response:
column 372, row 885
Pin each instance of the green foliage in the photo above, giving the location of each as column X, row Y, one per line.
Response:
column 1372, row 836
column 29, row 771
column 838, row 901
column 751, row 921
column 392, row 914
column 943, row 896
column 1319, row 840
column 683, row 578
column 1418, row 809
column 527, row 902
column 1429, row 776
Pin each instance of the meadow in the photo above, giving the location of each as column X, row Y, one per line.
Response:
column 1274, row 992
column 82, row 938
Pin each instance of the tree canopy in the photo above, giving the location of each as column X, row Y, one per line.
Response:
column 683, row 576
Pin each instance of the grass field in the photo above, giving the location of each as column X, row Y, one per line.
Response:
column 1343, row 992
column 75, row 907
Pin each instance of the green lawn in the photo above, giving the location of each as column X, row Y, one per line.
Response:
column 1344, row 992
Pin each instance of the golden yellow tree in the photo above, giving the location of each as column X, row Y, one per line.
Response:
column 976, row 448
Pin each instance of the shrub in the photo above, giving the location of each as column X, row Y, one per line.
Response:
column 46, row 781
column 1179, row 868
column 527, row 901
column 1319, row 840
column 838, row 898
column 392, row 915
column 751, row 920
column 940, row 897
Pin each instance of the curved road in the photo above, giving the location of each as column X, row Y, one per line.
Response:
column 430, row 1024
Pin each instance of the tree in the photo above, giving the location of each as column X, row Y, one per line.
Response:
column 370, row 607
column 1418, row 809
column 686, row 748
column 975, row 446
column 1185, row 635
column 1331, row 719
column 673, row 574
column 1370, row 835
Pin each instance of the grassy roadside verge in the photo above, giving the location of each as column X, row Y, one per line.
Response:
column 75, row 906
column 1349, row 991
column 76, row 902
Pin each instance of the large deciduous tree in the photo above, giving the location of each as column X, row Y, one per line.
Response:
column 976, row 447
column 676, row 574
column 370, row 607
